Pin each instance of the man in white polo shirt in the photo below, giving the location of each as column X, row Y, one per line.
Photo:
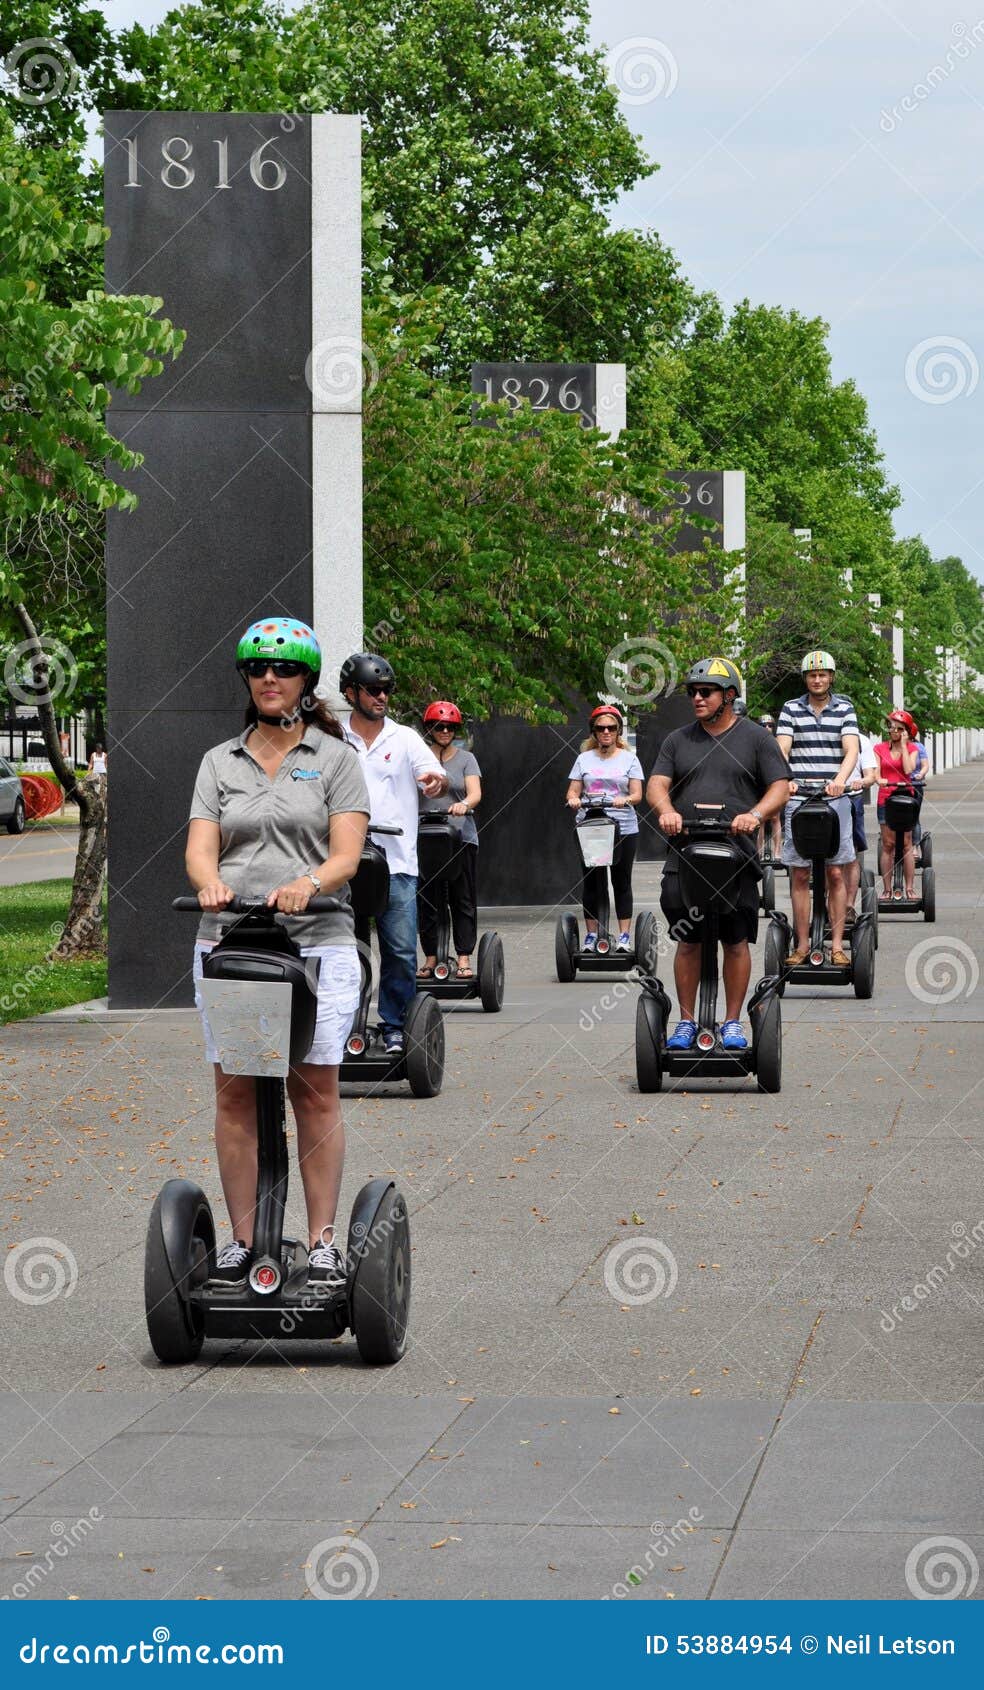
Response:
column 395, row 761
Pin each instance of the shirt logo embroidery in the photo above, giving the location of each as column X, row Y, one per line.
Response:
column 387, row 756
column 303, row 774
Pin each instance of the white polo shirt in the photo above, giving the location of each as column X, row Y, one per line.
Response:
column 391, row 765
column 866, row 759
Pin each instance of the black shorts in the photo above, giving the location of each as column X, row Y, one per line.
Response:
column 741, row 923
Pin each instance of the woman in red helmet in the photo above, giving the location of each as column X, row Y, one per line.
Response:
column 607, row 767
column 898, row 760
column 463, row 796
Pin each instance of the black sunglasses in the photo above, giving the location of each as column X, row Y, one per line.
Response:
column 442, row 728
column 606, row 727
column 284, row 668
column 376, row 691
column 702, row 692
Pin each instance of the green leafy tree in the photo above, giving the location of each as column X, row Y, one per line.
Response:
column 56, row 454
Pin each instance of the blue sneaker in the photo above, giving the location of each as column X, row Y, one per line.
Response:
column 624, row 942
column 685, row 1036
column 590, row 941
column 732, row 1037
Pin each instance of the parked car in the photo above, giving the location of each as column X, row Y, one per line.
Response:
column 12, row 810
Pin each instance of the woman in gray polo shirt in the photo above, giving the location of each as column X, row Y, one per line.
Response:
column 280, row 812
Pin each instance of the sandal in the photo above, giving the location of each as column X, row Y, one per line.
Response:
column 465, row 973
column 425, row 974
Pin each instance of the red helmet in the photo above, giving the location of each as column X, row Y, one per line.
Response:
column 606, row 710
column 906, row 720
column 442, row 710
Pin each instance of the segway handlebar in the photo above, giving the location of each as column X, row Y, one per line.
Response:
column 243, row 906
column 383, row 827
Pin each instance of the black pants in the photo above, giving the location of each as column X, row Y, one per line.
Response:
column 462, row 897
column 621, row 873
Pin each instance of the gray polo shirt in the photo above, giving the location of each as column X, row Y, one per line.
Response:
column 273, row 830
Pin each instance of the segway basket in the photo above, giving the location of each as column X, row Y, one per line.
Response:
column 596, row 837
column 438, row 841
column 369, row 886
column 901, row 811
column 710, row 871
column 262, row 1004
column 816, row 830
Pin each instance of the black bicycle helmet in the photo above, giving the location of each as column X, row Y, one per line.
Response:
column 365, row 669
column 713, row 671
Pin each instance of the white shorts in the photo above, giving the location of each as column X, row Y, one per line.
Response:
column 845, row 853
column 339, row 984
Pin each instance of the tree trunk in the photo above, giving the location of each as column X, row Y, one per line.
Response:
column 83, row 932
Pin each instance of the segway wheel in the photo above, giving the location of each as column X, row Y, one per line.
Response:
column 929, row 894
column 926, row 850
column 650, row 1033
column 180, row 1245
column 775, row 953
column 645, row 942
column 768, row 890
column 863, row 964
column 869, row 906
column 767, row 1039
column 492, row 975
column 381, row 1291
column 423, row 1042
column 565, row 945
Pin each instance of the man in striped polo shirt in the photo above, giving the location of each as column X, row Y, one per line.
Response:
column 818, row 733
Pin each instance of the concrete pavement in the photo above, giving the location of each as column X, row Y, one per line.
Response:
column 730, row 1343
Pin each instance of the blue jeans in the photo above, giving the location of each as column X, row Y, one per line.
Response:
column 396, row 929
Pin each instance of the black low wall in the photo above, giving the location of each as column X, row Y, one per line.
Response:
column 528, row 854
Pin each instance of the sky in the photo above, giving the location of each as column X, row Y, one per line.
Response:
column 828, row 159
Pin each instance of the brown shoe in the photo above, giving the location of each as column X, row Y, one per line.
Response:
column 796, row 959
column 840, row 959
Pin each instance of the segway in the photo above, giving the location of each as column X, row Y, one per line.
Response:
column 262, row 1005
column 438, row 842
column 596, row 837
column 421, row 1061
column 901, row 814
column 815, row 829
column 710, row 868
column 771, row 866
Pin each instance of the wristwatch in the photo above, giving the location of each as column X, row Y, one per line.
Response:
column 315, row 882
column 757, row 814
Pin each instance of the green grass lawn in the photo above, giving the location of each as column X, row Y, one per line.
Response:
column 31, row 920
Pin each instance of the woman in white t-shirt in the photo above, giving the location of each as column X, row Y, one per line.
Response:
column 608, row 768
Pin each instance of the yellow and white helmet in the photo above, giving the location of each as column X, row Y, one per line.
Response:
column 817, row 660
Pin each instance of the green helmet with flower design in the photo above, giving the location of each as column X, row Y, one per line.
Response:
column 280, row 639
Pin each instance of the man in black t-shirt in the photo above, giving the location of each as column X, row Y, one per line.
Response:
column 728, row 760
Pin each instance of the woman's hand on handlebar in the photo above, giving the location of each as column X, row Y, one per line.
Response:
column 573, row 803
column 215, row 895
column 746, row 823
column 293, row 898
column 671, row 822
column 460, row 809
